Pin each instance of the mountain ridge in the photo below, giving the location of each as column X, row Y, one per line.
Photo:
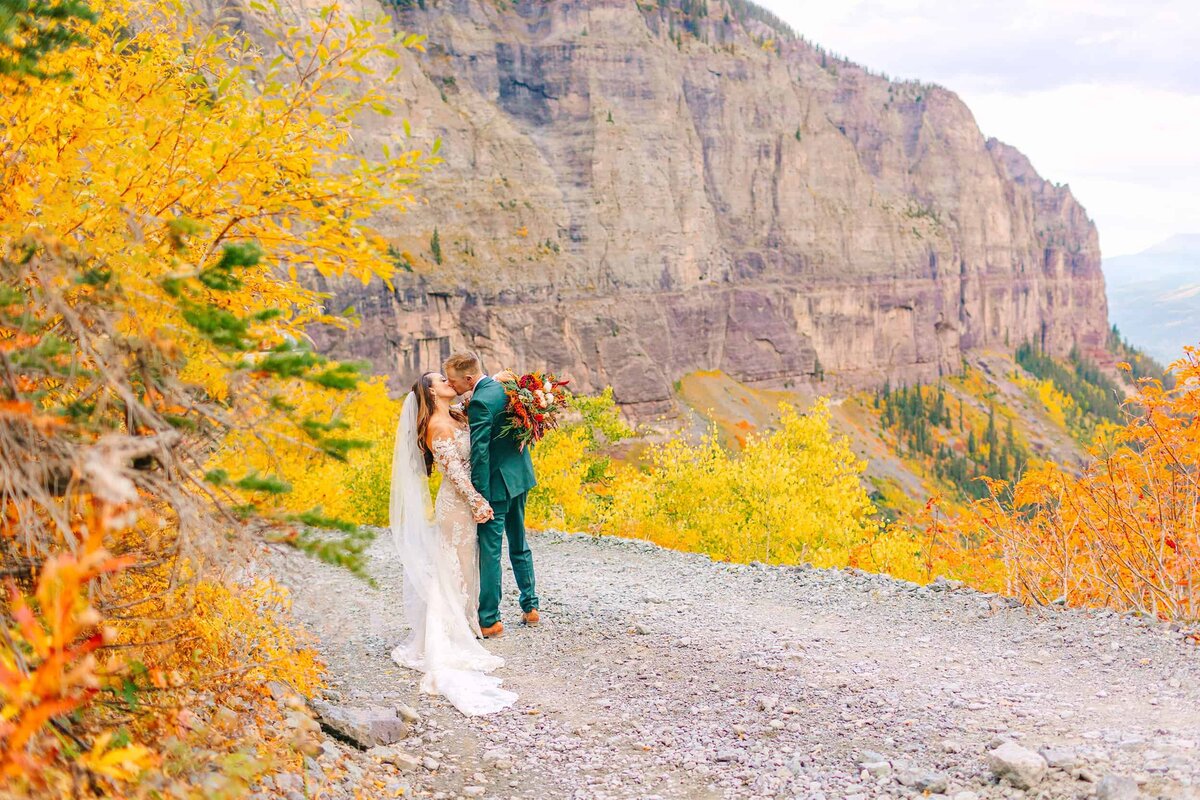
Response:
column 630, row 194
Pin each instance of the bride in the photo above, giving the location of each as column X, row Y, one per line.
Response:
column 440, row 552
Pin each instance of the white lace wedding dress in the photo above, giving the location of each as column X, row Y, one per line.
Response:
column 439, row 550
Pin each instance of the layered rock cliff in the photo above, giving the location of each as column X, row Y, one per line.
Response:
column 633, row 191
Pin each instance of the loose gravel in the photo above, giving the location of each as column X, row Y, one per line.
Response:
column 659, row 674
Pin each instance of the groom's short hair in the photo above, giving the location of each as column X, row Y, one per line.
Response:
column 463, row 364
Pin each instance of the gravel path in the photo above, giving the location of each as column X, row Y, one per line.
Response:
column 664, row 674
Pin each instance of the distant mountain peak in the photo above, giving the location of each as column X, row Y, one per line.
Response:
column 1154, row 295
column 1179, row 244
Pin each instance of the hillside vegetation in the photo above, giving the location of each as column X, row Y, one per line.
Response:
column 1012, row 461
column 162, row 184
column 163, row 418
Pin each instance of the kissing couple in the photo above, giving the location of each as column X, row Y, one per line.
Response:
column 450, row 549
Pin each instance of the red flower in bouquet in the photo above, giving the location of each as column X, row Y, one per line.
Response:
column 534, row 402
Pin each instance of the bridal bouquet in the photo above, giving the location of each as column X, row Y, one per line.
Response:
column 535, row 400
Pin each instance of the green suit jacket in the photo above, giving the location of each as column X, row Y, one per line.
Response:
column 499, row 468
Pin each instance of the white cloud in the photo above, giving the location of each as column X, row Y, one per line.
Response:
column 1101, row 94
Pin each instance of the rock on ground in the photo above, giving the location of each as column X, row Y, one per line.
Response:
column 1018, row 765
column 754, row 682
column 1117, row 787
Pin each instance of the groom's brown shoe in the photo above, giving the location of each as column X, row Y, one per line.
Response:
column 531, row 617
column 492, row 631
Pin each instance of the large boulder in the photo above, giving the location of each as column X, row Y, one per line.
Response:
column 1018, row 765
column 364, row 726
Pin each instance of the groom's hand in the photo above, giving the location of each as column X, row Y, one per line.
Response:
column 484, row 513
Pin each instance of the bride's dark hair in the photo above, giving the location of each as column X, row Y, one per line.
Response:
column 426, row 405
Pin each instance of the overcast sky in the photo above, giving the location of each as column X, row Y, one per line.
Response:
column 1101, row 94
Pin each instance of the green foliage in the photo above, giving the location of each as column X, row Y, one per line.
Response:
column 316, row 519
column 1140, row 365
column 339, row 374
column 220, row 276
column 217, row 477
column 917, row 210
column 297, row 360
column 151, row 370
column 744, row 11
column 398, row 259
column 1097, row 397
column 689, row 14
column 223, row 328
column 435, row 246
column 925, row 428
column 601, row 418
column 345, row 550
column 32, row 29
column 288, row 360
column 340, row 448
column 260, row 483
column 200, row 298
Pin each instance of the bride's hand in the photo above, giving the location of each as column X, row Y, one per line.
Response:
column 484, row 512
column 504, row 375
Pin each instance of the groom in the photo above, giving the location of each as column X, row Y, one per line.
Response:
column 503, row 474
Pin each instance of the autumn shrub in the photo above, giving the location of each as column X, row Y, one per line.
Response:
column 365, row 482
column 789, row 496
column 161, row 622
column 574, row 472
column 160, row 188
column 355, row 488
column 564, row 497
column 1123, row 533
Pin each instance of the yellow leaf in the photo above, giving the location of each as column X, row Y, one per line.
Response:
column 123, row 763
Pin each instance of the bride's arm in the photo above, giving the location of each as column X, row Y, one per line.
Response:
column 504, row 375
column 457, row 471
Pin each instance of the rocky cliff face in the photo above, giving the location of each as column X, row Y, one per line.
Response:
column 632, row 192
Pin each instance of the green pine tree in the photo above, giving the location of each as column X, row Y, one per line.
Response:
column 32, row 29
column 435, row 247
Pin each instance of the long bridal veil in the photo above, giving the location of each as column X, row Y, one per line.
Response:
column 442, row 644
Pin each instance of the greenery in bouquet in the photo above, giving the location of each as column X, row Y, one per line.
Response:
column 535, row 401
